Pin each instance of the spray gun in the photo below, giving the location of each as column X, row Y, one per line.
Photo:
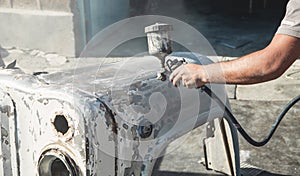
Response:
column 160, row 46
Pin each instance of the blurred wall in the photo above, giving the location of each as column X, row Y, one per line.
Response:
column 59, row 26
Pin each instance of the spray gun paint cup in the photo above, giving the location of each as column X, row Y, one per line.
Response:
column 159, row 44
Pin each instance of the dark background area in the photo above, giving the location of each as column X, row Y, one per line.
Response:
column 227, row 24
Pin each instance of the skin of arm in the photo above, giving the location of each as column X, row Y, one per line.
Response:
column 261, row 66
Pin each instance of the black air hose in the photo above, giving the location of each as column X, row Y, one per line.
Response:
column 230, row 117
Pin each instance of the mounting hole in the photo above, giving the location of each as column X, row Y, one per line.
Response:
column 56, row 163
column 61, row 124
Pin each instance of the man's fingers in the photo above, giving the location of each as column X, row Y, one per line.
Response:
column 176, row 80
column 187, row 74
column 175, row 73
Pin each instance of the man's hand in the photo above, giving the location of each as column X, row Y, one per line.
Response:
column 190, row 75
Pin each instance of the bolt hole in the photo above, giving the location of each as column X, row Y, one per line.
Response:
column 61, row 124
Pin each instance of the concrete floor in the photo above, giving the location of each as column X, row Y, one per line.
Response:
column 281, row 156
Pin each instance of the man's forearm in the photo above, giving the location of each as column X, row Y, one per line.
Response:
column 260, row 66
column 249, row 69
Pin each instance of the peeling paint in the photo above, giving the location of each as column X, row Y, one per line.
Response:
column 114, row 127
column 5, row 109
